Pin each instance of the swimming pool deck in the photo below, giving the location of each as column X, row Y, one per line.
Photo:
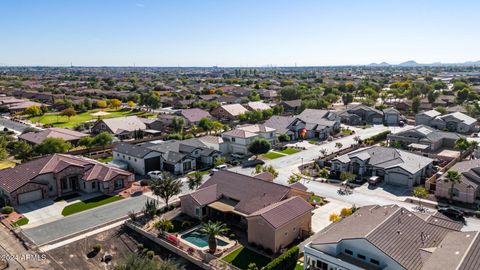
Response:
column 230, row 243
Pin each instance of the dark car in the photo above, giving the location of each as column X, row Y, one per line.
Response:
column 252, row 163
column 451, row 212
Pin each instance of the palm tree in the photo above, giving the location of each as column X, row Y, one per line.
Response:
column 164, row 225
column 357, row 139
column 453, row 177
column 323, row 151
column 212, row 229
column 462, row 144
column 194, row 180
column 166, row 187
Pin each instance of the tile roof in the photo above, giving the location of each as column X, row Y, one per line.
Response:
column 13, row 178
column 280, row 213
column 132, row 150
column 195, row 114
column 60, row 133
column 234, row 109
column 279, row 123
column 258, row 105
column 120, row 124
column 469, row 173
column 392, row 229
column 239, row 133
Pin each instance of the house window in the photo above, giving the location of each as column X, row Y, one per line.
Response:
column 348, row 251
column 197, row 212
column 286, row 233
column 84, row 185
column 64, row 183
column 187, row 166
column 129, row 158
column 94, row 184
column 375, row 261
column 361, row 257
column 118, row 183
column 135, row 160
column 233, row 139
column 294, row 229
column 322, row 265
column 123, row 156
column 118, row 155
column 204, row 211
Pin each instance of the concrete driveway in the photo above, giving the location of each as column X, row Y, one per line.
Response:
column 77, row 223
column 41, row 212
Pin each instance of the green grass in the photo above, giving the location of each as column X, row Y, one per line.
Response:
column 242, row 257
column 106, row 159
column 67, row 197
column 62, row 121
column 180, row 225
column 89, row 204
column 6, row 164
column 201, row 172
column 312, row 142
column 347, row 132
column 20, row 222
column 318, row 199
column 299, row 266
column 272, row 155
column 289, row 151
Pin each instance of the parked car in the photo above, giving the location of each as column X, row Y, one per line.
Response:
column 218, row 168
column 154, row 174
column 451, row 212
column 252, row 163
column 374, row 180
column 238, row 155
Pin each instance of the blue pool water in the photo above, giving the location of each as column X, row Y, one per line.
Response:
column 200, row 240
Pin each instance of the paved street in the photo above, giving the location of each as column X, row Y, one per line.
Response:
column 78, row 222
column 360, row 197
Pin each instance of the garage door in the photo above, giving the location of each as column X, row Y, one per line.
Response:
column 397, row 179
column 152, row 164
column 30, row 196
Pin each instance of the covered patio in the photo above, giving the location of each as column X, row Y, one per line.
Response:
column 224, row 210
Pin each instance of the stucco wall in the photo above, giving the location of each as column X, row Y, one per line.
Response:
column 188, row 205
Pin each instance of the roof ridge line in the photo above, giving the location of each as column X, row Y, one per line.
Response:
column 381, row 223
column 468, row 249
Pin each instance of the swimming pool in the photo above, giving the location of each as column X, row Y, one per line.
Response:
column 200, row 240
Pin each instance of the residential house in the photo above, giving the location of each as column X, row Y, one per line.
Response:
column 468, row 190
column 273, row 215
column 238, row 140
column 258, row 106
column 177, row 157
column 361, row 114
column 291, row 106
column 121, row 127
column 38, row 137
column 193, row 116
column 454, row 122
column 311, row 123
column 397, row 167
column 229, row 112
column 380, row 237
column 57, row 175
column 425, row 138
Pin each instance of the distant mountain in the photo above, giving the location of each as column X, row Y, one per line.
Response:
column 410, row 63
column 382, row 64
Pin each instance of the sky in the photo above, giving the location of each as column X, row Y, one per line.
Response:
column 239, row 33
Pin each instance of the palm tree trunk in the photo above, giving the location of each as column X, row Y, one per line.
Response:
column 212, row 243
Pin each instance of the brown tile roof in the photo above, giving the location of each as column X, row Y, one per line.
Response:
column 392, row 229
column 13, row 178
column 265, row 176
column 61, row 133
column 195, row 114
column 252, row 193
column 280, row 213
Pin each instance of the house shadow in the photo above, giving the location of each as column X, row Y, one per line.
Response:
column 392, row 189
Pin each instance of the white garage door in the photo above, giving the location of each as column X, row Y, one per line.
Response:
column 30, row 196
column 397, row 179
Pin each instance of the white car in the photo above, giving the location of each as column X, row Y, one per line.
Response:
column 154, row 174
column 218, row 168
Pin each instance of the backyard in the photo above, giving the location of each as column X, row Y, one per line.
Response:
column 242, row 257
column 56, row 120
column 89, row 204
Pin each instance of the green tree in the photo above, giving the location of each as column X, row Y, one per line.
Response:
column 284, row 137
column 103, row 139
column 34, row 110
column 213, row 229
column 452, row 177
column 166, row 187
column 219, row 161
column 347, row 176
column 462, row 144
column 420, row 193
column 194, row 180
column 68, row 112
column 177, row 124
column 259, row 146
column 86, row 142
column 115, row 103
column 22, row 150
column 415, row 104
column 164, row 225
column 206, row 124
column 52, row 146
column 347, row 98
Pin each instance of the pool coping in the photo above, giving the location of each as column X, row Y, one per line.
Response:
column 231, row 243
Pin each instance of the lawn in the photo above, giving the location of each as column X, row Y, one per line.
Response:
column 62, row 121
column 318, row 199
column 106, row 159
column 201, row 172
column 242, row 257
column 67, row 197
column 20, row 222
column 299, row 266
column 6, row 164
column 89, row 204
column 289, row 151
column 272, row 155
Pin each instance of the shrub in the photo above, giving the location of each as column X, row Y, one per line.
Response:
column 346, row 212
column 97, row 248
column 7, row 210
column 150, row 254
column 286, row 261
column 140, row 247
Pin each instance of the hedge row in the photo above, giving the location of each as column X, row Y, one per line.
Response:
column 286, row 261
column 380, row 136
